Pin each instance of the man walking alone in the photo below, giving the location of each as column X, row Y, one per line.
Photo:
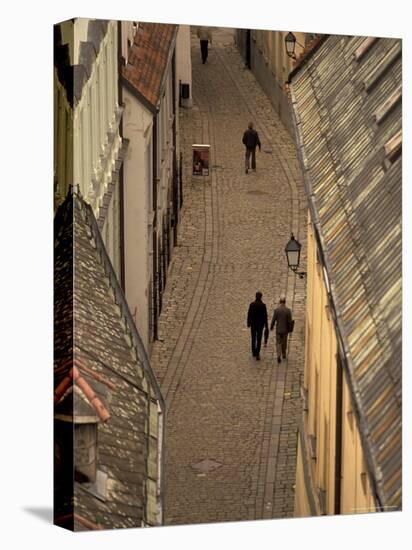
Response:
column 257, row 320
column 282, row 317
column 205, row 36
column 251, row 140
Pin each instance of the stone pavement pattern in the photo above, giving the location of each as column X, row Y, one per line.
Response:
column 231, row 423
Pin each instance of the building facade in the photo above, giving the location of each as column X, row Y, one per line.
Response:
column 108, row 409
column 347, row 104
column 118, row 87
column 117, row 200
column 332, row 476
column 89, row 149
column 265, row 55
column 152, row 191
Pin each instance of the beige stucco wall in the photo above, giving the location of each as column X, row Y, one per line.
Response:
column 184, row 62
column 128, row 32
column 138, row 208
column 137, row 128
column 165, row 150
column 272, row 46
column 94, row 117
column 84, row 152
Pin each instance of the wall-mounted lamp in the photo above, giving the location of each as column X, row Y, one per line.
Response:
column 292, row 250
column 290, row 43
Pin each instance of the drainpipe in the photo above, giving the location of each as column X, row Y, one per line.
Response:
column 174, row 185
column 121, row 173
column 154, row 227
column 338, row 440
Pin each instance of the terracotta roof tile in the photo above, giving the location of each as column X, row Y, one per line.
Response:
column 148, row 59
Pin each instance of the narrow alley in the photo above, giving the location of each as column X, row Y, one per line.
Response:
column 231, row 422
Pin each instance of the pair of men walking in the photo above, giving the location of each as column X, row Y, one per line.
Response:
column 257, row 320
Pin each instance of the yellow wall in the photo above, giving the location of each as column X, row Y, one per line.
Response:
column 63, row 143
column 320, row 379
column 272, row 46
column 302, row 507
column 356, row 494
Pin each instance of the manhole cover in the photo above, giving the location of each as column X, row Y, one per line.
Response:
column 205, row 466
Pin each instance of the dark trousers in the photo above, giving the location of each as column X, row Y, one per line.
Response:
column 256, row 333
column 203, row 49
column 250, row 153
column 281, row 344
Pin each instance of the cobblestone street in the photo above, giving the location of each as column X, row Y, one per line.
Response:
column 231, row 422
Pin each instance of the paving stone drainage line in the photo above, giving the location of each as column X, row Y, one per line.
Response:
column 199, row 244
column 181, row 352
column 273, row 422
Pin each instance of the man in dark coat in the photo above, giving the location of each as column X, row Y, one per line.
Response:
column 257, row 320
column 282, row 316
column 251, row 140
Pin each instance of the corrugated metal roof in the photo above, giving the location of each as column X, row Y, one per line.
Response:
column 347, row 106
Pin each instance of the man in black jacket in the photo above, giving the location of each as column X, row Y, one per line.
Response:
column 251, row 140
column 257, row 320
column 282, row 316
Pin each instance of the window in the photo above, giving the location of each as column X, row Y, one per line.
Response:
column 86, row 473
column 85, row 452
column 151, row 311
column 325, row 455
column 364, row 476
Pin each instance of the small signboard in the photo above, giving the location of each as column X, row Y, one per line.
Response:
column 200, row 159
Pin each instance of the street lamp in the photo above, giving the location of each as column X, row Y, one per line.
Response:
column 292, row 250
column 290, row 42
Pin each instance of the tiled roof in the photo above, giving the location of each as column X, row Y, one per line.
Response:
column 75, row 377
column 348, row 112
column 148, row 60
column 101, row 366
column 307, row 51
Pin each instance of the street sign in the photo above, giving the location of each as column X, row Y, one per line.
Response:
column 200, row 159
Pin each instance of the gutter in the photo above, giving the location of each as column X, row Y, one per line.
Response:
column 305, row 56
column 338, row 436
column 140, row 97
column 121, row 173
column 120, row 300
